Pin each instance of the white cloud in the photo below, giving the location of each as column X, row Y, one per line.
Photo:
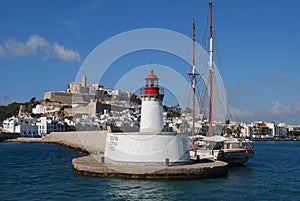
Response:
column 14, row 48
column 276, row 112
column 240, row 113
column 36, row 44
column 66, row 54
column 280, row 109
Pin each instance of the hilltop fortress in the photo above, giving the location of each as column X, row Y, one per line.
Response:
column 89, row 99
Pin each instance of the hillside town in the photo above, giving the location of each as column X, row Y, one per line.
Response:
column 95, row 107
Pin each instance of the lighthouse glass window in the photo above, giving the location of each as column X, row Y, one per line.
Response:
column 152, row 83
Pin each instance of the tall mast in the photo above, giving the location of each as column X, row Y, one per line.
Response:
column 210, row 70
column 193, row 77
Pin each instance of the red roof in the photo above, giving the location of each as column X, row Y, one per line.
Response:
column 151, row 76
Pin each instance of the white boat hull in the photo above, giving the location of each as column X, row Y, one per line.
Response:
column 234, row 156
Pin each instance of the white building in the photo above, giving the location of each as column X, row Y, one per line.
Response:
column 282, row 132
column 116, row 92
column 9, row 124
column 264, row 130
column 246, row 130
column 94, row 88
column 26, row 126
column 69, row 122
column 272, row 129
column 48, row 124
column 43, row 109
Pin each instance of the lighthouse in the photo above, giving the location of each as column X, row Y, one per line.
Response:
column 152, row 110
column 151, row 146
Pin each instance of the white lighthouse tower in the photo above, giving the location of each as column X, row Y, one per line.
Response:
column 152, row 110
column 151, row 146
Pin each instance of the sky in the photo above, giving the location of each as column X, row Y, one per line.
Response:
column 43, row 45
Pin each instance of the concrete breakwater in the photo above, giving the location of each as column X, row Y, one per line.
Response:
column 93, row 144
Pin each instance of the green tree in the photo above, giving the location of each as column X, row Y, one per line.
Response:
column 33, row 99
column 9, row 111
column 294, row 133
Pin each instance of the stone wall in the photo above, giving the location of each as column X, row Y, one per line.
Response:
column 67, row 97
column 92, row 142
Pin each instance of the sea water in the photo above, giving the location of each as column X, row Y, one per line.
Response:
column 33, row 171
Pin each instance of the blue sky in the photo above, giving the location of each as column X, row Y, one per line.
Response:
column 43, row 44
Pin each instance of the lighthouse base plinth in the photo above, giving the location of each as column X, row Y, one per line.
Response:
column 147, row 147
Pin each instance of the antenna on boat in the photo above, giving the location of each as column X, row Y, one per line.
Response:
column 210, row 70
column 193, row 76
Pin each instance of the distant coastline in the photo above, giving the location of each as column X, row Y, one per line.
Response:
column 16, row 137
column 275, row 140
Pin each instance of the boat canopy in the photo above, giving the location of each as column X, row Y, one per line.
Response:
column 215, row 138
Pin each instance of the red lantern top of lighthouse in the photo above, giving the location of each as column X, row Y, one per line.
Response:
column 151, row 76
column 151, row 84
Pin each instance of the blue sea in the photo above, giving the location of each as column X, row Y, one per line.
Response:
column 33, row 171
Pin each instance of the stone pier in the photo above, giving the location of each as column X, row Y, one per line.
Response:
column 89, row 166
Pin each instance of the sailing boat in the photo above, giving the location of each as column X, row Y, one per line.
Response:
column 230, row 150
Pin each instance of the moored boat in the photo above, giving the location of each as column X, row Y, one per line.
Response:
column 234, row 151
column 231, row 150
